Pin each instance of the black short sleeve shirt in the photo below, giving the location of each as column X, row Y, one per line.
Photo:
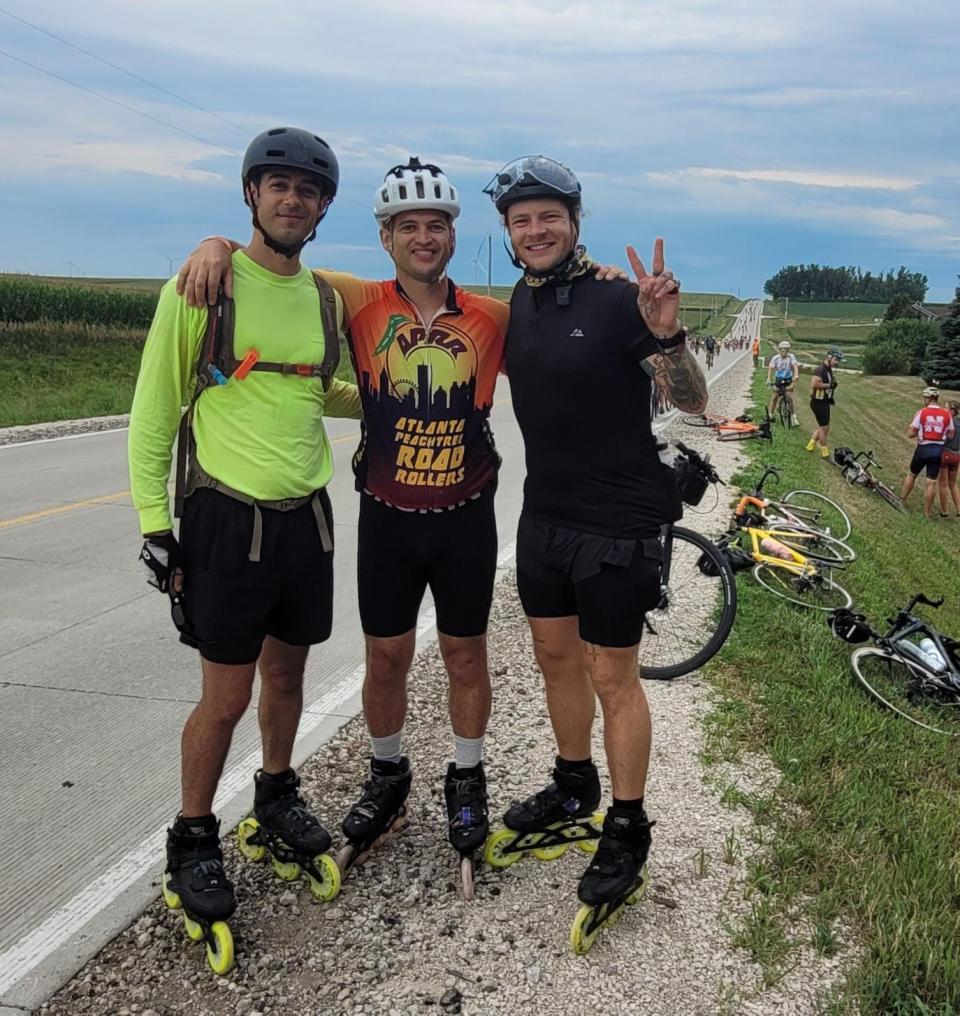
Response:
column 582, row 400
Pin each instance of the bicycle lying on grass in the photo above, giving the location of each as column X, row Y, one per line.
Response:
column 740, row 428
column 790, row 560
column 857, row 472
column 913, row 669
column 807, row 509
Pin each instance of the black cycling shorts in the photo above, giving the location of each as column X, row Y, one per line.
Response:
column 400, row 553
column 821, row 411
column 608, row 584
column 232, row 602
column 927, row 457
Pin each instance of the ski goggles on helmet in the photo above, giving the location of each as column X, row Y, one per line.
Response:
column 532, row 176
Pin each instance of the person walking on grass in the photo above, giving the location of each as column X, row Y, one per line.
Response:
column 932, row 427
column 950, row 465
column 823, row 384
column 756, row 351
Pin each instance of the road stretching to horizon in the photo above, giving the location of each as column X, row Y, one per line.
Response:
column 95, row 688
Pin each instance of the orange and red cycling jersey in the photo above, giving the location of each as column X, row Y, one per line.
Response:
column 933, row 425
column 426, row 392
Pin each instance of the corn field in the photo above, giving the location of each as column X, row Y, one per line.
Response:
column 23, row 300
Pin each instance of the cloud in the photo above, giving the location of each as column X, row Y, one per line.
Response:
column 797, row 177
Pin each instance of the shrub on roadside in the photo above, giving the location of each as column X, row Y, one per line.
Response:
column 898, row 347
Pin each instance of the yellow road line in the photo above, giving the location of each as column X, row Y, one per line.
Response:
column 62, row 509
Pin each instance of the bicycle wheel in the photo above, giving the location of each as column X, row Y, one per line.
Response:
column 888, row 495
column 812, row 543
column 701, row 604
column 906, row 689
column 817, row 511
column 819, row 592
column 703, row 420
column 784, row 410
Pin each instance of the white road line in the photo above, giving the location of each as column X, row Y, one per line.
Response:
column 35, row 947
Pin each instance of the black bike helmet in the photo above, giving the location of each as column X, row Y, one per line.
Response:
column 293, row 148
column 533, row 176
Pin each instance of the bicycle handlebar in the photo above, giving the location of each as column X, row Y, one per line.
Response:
column 869, row 457
column 920, row 598
column 703, row 464
column 769, row 471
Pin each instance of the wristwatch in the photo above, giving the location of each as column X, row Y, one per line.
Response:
column 673, row 341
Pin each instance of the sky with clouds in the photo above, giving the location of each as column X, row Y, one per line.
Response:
column 750, row 134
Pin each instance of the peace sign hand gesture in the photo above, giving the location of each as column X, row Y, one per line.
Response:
column 659, row 298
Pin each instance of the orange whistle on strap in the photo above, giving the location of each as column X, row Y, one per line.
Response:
column 246, row 365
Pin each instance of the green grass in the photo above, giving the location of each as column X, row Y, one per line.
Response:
column 862, row 832
column 120, row 285
column 848, row 310
column 68, row 371
column 812, row 337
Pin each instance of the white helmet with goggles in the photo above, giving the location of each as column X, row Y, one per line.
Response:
column 414, row 188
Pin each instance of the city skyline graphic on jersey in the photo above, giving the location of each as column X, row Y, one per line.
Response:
column 423, row 421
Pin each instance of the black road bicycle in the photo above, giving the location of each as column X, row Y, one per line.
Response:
column 858, row 472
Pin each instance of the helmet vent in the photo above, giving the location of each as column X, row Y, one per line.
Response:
column 420, row 191
column 276, row 131
column 402, row 189
column 276, row 153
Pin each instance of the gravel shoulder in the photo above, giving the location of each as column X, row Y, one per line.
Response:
column 400, row 940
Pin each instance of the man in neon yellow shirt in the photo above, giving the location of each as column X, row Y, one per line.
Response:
column 251, row 578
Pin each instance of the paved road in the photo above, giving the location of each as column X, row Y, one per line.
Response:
column 95, row 687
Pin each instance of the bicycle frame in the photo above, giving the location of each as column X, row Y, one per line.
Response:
column 905, row 625
column 796, row 564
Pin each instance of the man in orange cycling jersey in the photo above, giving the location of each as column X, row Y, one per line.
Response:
column 932, row 427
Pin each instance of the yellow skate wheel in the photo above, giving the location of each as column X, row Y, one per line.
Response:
column 550, row 853
column 252, row 851
column 494, row 852
column 580, row 939
column 590, row 846
column 287, row 870
column 637, row 893
column 171, row 898
column 220, row 948
column 194, row 931
column 327, row 889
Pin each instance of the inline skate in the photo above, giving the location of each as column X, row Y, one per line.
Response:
column 196, row 883
column 617, row 875
column 465, row 793
column 380, row 810
column 551, row 820
column 284, row 827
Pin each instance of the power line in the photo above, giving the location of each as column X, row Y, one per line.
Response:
column 117, row 102
column 123, row 70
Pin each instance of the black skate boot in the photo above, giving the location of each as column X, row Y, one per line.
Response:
column 380, row 809
column 547, row 822
column 196, row 883
column 616, row 877
column 284, row 827
column 465, row 792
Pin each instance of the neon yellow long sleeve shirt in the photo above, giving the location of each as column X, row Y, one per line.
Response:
column 263, row 435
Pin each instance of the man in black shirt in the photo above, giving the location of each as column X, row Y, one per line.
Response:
column 595, row 496
column 822, row 386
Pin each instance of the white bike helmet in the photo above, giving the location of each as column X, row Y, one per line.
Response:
column 413, row 188
column 784, row 345
column 931, row 393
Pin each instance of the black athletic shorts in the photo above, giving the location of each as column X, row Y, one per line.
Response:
column 609, row 584
column 927, row 457
column 400, row 553
column 821, row 411
column 232, row 602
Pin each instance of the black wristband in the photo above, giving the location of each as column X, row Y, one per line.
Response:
column 667, row 344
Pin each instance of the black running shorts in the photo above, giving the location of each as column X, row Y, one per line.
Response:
column 927, row 457
column 821, row 411
column 232, row 602
column 400, row 553
column 608, row 584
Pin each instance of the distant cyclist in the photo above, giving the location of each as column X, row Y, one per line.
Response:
column 710, row 345
column 782, row 372
column 822, row 386
column 756, row 351
column 933, row 426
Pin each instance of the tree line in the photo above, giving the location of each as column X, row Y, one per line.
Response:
column 821, row 282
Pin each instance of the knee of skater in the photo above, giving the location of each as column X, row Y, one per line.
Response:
column 226, row 712
column 387, row 663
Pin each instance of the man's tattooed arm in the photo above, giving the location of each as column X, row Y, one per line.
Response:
column 679, row 375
